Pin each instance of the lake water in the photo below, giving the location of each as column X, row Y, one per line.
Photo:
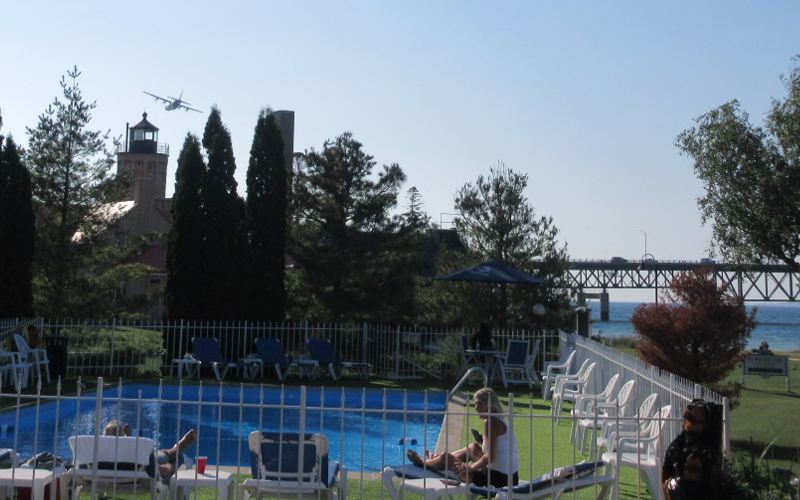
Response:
column 778, row 324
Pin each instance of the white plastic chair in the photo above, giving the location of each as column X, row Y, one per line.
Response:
column 553, row 368
column 584, row 403
column 567, row 388
column 603, row 412
column 642, row 453
column 636, row 425
column 37, row 357
column 15, row 369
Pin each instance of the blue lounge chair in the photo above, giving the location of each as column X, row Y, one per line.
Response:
column 205, row 351
column 518, row 365
column 553, row 484
column 271, row 354
column 283, row 465
column 321, row 351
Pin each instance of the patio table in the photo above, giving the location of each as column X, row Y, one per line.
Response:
column 492, row 363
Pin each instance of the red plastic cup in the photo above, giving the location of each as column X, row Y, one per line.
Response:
column 201, row 464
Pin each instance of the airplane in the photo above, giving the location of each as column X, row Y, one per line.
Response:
column 173, row 102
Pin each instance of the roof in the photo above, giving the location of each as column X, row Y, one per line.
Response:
column 110, row 212
column 144, row 124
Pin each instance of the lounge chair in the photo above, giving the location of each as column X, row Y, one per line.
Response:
column 321, row 351
column 283, row 465
column 205, row 352
column 271, row 354
column 114, row 464
column 518, row 365
column 36, row 357
column 553, row 484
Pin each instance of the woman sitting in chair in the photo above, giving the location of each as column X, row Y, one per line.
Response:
column 486, row 461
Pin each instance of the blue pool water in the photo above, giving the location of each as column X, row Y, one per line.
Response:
column 370, row 439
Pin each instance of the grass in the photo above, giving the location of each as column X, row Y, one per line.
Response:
column 768, row 414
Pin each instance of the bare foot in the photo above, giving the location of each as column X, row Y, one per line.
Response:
column 415, row 459
column 186, row 440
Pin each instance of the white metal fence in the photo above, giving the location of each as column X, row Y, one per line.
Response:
column 133, row 348
column 367, row 429
column 671, row 389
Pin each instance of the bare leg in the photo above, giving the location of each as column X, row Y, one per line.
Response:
column 181, row 445
column 442, row 461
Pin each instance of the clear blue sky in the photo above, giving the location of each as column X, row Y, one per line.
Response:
column 586, row 98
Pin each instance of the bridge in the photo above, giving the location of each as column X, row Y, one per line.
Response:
column 752, row 282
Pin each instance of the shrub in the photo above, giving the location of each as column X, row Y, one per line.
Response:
column 697, row 332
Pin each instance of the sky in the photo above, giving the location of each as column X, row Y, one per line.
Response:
column 586, row 98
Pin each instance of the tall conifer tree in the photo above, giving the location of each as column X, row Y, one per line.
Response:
column 223, row 213
column 16, row 233
column 78, row 267
column 184, row 257
column 266, row 217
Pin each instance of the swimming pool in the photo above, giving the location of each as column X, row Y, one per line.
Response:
column 371, row 437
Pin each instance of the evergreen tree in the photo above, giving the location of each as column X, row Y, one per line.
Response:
column 415, row 218
column 78, row 267
column 223, row 213
column 266, row 217
column 16, row 233
column 499, row 224
column 185, row 279
column 342, row 235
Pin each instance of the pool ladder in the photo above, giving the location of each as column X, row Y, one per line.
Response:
column 467, row 374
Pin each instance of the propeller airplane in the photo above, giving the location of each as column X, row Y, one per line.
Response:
column 173, row 102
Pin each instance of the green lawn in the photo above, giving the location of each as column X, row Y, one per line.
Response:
column 768, row 414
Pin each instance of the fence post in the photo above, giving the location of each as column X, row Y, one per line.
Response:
column 726, row 428
column 113, row 338
column 698, row 391
column 397, row 353
column 179, row 354
column 301, row 436
column 364, row 332
column 98, row 415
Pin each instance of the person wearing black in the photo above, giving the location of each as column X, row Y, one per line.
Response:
column 482, row 339
column 692, row 461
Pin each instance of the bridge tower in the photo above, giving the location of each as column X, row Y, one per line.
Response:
column 604, row 304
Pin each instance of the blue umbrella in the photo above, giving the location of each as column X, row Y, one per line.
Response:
column 493, row 272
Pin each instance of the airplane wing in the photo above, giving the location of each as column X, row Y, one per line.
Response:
column 157, row 97
column 187, row 108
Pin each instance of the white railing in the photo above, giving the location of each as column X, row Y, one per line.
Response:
column 367, row 429
column 133, row 348
column 671, row 389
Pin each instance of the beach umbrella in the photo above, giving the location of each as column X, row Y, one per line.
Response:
column 493, row 272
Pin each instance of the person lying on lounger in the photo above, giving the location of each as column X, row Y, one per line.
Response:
column 167, row 459
column 486, row 461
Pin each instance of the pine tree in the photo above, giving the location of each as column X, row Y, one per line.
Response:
column 266, row 218
column 77, row 266
column 342, row 234
column 16, row 233
column 185, row 279
column 223, row 214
